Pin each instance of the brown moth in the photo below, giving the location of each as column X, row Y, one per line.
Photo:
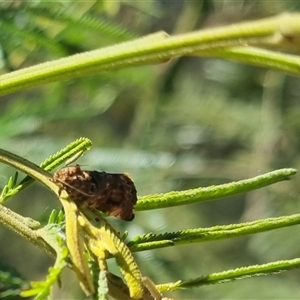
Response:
column 113, row 194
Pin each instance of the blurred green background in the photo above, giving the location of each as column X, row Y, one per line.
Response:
column 187, row 123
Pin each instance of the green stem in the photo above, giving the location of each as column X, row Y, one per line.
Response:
column 231, row 275
column 199, row 235
column 176, row 198
column 156, row 48
column 258, row 57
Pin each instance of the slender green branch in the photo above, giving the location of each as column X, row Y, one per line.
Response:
column 157, row 48
column 73, row 149
column 76, row 148
column 258, row 57
column 86, row 63
column 175, row 198
column 231, row 275
column 152, row 241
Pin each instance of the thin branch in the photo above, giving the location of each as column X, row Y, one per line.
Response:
column 259, row 57
column 271, row 32
column 232, row 275
column 153, row 241
column 197, row 195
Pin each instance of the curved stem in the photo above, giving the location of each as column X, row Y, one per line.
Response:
column 29, row 168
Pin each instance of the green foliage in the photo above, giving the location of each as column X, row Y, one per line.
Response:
column 11, row 284
column 10, row 189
